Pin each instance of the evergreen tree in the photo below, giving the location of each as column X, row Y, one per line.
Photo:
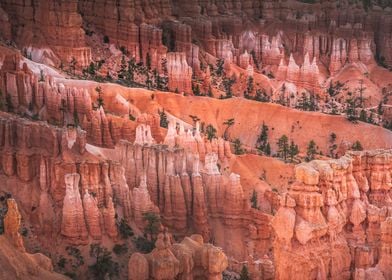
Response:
column 76, row 118
column 148, row 61
column 262, row 141
column 351, row 109
column 209, row 93
column 380, row 110
column 261, row 96
column 100, row 98
column 219, row 67
column 72, row 65
column 131, row 69
column 254, row 201
column 363, row 116
column 357, row 146
column 228, row 123
column 238, row 147
column 227, row 84
column 104, row 266
column 267, row 149
column 41, row 76
column 293, row 150
column 311, row 151
column 333, row 146
column 244, row 275
column 195, row 119
column 250, row 86
column 211, row 132
column 91, row 69
column 163, row 119
column 122, row 73
column 283, row 147
column 196, row 89
column 153, row 222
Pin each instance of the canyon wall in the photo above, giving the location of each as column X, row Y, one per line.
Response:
column 333, row 222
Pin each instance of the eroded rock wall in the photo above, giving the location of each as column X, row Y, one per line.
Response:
column 333, row 220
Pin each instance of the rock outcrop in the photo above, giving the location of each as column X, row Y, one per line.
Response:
column 190, row 259
column 334, row 215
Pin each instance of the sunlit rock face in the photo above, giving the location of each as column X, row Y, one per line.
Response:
column 338, row 204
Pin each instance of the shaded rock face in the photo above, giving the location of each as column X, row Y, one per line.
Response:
column 336, row 214
column 190, row 259
column 78, row 197
column 54, row 24
column 15, row 262
column 334, row 33
column 183, row 181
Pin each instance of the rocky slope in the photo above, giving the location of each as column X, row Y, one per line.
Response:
column 146, row 139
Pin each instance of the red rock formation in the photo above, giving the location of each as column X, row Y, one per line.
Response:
column 189, row 259
column 49, row 24
column 179, row 73
column 12, row 225
column 329, row 206
column 73, row 225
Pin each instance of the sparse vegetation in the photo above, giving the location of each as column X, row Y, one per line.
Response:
column 124, row 229
column 244, row 274
column 153, row 222
column 238, row 150
column 311, row 151
column 357, row 146
column 100, row 101
column 163, row 122
column 254, row 201
column 228, row 123
column 262, row 143
column 293, row 150
column 76, row 254
column 283, row 147
column 211, row 132
column 332, row 146
column 104, row 266
column 120, row 249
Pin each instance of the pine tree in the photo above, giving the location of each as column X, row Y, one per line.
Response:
column 122, row 73
column 238, row 147
column 254, row 201
column 267, row 149
column 91, row 69
column 250, row 86
column 210, row 94
column 311, row 151
column 148, row 61
column 72, row 65
column 363, row 116
column 244, row 275
column 228, row 123
column 293, row 150
column 219, row 67
column 196, row 89
column 262, row 141
column 195, row 119
column 357, row 146
column 131, row 69
column 283, row 146
column 100, row 98
column 211, row 132
column 76, row 118
column 163, row 119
